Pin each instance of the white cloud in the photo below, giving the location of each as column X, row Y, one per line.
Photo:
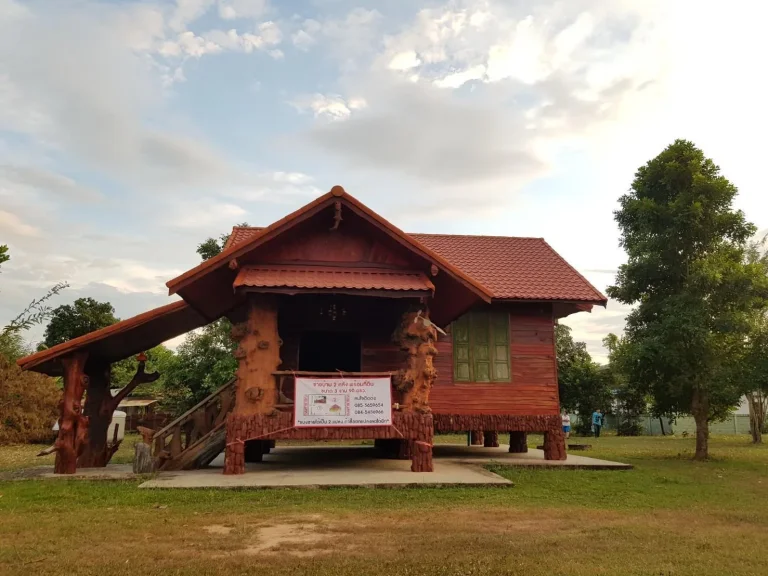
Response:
column 12, row 225
column 328, row 106
column 458, row 79
column 233, row 9
column 205, row 214
column 196, row 46
column 302, row 40
column 187, row 11
column 36, row 178
column 404, row 61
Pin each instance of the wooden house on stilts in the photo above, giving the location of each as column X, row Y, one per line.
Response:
column 348, row 328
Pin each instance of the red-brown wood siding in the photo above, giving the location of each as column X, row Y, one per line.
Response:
column 531, row 392
column 533, row 389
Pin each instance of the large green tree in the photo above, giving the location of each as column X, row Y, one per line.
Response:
column 72, row 320
column 693, row 291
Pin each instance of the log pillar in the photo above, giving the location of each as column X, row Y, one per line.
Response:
column 554, row 445
column 518, row 442
column 258, row 355
column 490, row 439
column 416, row 336
column 73, row 425
column 476, row 438
column 421, row 448
column 99, row 406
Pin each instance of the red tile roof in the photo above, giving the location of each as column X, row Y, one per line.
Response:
column 509, row 267
column 514, row 268
column 319, row 277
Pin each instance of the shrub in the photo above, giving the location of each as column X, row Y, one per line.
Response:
column 29, row 405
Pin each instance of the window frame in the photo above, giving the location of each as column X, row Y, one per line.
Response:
column 467, row 327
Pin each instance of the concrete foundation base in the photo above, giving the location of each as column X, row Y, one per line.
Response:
column 319, row 466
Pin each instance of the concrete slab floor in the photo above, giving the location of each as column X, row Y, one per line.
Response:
column 326, row 466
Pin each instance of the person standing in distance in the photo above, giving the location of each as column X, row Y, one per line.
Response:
column 566, row 424
column 597, row 422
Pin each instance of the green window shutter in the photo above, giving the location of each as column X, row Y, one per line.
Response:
column 500, row 337
column 481, row 347
column 461, row 361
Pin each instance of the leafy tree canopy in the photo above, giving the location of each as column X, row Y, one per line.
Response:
column 693, row 289
column 159, row 359
column 72, row 320
column 4, row 256
column 204, row 362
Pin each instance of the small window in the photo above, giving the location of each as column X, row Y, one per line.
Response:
column 481, row 347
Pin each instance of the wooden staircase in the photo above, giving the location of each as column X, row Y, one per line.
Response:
column 196, row 437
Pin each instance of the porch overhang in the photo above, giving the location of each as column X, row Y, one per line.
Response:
column 120, row 340
column 289, row 279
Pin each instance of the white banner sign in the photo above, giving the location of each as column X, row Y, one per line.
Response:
column 343, row 402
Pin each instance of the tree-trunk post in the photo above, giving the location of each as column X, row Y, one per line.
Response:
column 73, row 425
column 416, row 337
column 518, row 442
column 100, row 406
column 554, row 445
column 476, row 437
column 258, row 356
column 94, row 453
column 490, row 439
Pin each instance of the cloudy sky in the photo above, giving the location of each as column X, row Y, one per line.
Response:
column 130, row 131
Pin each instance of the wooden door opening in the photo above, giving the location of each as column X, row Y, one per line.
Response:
column 330, row 351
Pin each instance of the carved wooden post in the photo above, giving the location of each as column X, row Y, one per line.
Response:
column 99, row 406
column 476, row 437
column 490, row 439
column 554, row 445
column 73, row 426
column 518, row 442
column 258, row 355
column 95, row 450
column 416, row 336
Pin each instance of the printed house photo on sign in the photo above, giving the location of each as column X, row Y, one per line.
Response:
column 323, row 405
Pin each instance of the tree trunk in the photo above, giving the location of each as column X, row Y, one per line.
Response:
column 700, row 410
column 95, row 450
column 416, row 336
column 258, row 356
column 99, row 407
column 756, row 416
column 73, row 426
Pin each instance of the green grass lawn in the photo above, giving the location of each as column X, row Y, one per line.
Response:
column 668, row 516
